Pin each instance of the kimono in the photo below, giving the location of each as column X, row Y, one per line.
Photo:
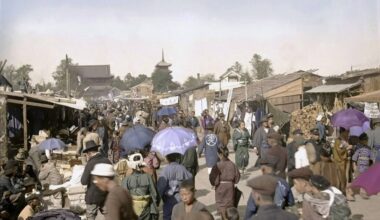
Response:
column 328, row 169
column 144, row 194
column 168, row 186
column 190, row 161
column 224, row 175
column 240, row 140
column 260, row 140
column 222, row 130
column 340, row 157
column 179, row 211
column 210, row 145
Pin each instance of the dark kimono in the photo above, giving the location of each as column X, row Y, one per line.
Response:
column 190, row 161
column 222, row 130
column 143, row 191
column 168, row 186
column 179, row 211
column 224, row 175
column 240, row 141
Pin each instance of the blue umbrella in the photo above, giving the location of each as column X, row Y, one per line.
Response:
column 174, row 140
column 137, row 137
column 166, row 111
column 52, row 144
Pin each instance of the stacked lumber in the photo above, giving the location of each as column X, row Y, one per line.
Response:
column 305, row 118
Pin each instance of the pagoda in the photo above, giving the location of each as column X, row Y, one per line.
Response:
column 163, row 66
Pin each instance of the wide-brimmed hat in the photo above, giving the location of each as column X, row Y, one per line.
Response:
column 264, row 119
column 90, row 146
column 103, row 169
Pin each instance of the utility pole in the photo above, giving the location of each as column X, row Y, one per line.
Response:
column 68, row 89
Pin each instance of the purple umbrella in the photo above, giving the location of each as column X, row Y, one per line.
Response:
column 174, row 140
column 348, row 118
column 52, row 144
column 369, row 180
column 135, row 138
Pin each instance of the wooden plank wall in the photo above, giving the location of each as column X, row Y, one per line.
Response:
column 288, row 103
column 3, row 129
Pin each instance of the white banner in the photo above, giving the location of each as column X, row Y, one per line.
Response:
column 169, row 101
column 199, row 106
column 371, row 110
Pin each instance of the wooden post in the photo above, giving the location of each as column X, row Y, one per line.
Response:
column 25, row 124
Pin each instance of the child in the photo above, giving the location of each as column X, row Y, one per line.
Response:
column 188, row 202
column 362, row 158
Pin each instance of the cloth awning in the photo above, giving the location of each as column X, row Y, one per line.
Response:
column 366, row 97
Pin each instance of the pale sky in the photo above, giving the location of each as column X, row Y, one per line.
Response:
column 198, row 36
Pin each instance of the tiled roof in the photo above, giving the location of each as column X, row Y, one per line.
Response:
column 92, row 71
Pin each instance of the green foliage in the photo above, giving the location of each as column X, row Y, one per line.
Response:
column 18, row 77
column 43, row 86
column 192, row 82
column 118, row 83
column 131, row 81
column 59, row 76
column 162, row 81
column 261, row 68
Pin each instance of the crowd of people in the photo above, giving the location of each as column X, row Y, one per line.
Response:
column 301, row 178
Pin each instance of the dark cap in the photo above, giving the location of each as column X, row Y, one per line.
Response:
column 314, row 131
column 91, row 146
column 44, row 159
column 319, row 182
column 275, row 136
column 301, row 173
column 297, row 132
column 269, row 160
column 264, row 119
column 264, row 184
column 363, row 137
column 221, row 114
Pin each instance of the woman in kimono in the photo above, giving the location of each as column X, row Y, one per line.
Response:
column 142, row 189
column 240, row 140
column 224, row 175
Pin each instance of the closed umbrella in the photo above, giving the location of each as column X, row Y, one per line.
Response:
column 52, row 144
column 137, row 137
column 348, row 118
column 174, row 140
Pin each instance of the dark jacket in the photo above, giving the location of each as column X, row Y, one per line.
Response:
column 272, row 212
column 93, row 195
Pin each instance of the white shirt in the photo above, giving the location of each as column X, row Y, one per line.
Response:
column 301, row 157
column 248, row 119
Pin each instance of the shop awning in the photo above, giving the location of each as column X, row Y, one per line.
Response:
column 366, row 97
column 338, row 88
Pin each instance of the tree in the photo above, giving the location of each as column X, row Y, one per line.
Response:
column 246, row 77
column 43, row 86
column 261, row 68
column 118, row 83
column 19, row 78
column 162, row 80
column 59, row 76
column 131, row 81
column 191, row 82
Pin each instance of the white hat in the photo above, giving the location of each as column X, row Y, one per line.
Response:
column 103, row 169
column 135, row 161
column 319, row 117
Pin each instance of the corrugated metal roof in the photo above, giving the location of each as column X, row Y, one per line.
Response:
column 92, row 71
column 262, row 86
column 333, row 88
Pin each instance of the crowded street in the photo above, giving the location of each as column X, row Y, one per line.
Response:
column 189, row 110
